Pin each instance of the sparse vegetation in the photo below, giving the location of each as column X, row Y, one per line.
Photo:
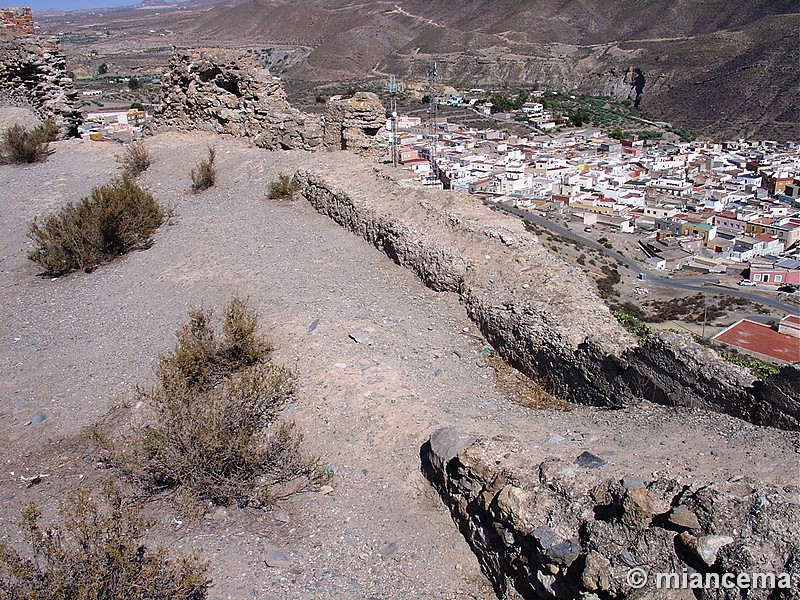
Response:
column 634, row 325
column 759, row 369
column 20, row 145
column 136, row 159
column 96, row 551
column 605, row 285
column 114, row 219
column 204, row 175
column 697, row 308
column 215, row 430
column 283, row 186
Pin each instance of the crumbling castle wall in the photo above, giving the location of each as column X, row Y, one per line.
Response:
column 16, row 21
column 230, row 92
column 538, row 312
column 33, row 73
column 547, row 525
column 353, row 123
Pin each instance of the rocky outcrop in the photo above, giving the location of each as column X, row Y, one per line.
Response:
column 33, row 74
column 545, row 524
column 540, row 313
column 352, row 124
column 230, row 92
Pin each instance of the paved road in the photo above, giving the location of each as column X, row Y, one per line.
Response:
column 694, row 284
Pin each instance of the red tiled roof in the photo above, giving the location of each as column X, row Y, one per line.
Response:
column 761, row 339
column 791, row 319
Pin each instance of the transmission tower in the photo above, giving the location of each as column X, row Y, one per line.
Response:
column 432, row 113
column 394, row 87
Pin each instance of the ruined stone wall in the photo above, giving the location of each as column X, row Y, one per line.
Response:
column 33, row 73
column 540, row 313
column 353, row 123
column 230, row 92
column 15, row 21
column 546, row 527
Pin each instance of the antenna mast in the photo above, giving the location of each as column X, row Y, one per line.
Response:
column 432, row 114
column 393, row 87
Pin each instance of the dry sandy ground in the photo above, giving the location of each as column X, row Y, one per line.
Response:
column 73, row 345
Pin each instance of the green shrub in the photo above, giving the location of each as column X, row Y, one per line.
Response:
column 634, row 326
column 114, row 219
column 215, row 430
column 759, row 369
column 135, row 159
column 283, row 186
column 204, row 175
column 20, row 145
column 96, row 552
column 605, row 285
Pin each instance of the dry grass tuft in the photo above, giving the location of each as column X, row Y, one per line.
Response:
column 96, row 552
column 204, row 175
column 135, row 159
column 116, row 218
column 20, row 145
column 283, row 186
column 214, row 427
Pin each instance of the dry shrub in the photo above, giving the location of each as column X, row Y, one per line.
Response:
column 135, row 159
column 204, row 175
column 21, row 145
column 114, row 219
column 96, row 552
column 215, row 427
column 283, row 186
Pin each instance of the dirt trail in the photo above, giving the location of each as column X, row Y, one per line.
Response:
column 72, row 345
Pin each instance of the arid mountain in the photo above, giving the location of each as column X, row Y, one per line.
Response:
column 725, row 69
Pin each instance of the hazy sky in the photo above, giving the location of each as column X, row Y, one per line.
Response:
column 43, row 5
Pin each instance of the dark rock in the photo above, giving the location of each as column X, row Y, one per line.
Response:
column 446, row 443
column 587, row 460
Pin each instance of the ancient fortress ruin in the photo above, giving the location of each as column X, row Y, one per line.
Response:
column 33, row 73
column 543, row 525
column 16, row 20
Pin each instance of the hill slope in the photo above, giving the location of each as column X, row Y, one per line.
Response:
column 710, row 65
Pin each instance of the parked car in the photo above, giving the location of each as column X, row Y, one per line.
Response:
column 788, row 288
column 587, row 229
column 747, row 282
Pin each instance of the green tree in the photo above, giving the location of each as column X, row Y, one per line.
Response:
column 134, row 84
column 102, row 69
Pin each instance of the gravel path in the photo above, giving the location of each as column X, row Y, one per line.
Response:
column 73, row 345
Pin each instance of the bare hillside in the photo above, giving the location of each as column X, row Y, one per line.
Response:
column 724, row 69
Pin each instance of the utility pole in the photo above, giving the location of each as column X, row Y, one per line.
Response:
column 432, row 114
column 394, row 87
column 705, row 314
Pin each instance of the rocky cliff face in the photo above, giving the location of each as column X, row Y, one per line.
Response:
column 545, row 524
column 33, row 73
column 230, row 92
column 537, row 311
